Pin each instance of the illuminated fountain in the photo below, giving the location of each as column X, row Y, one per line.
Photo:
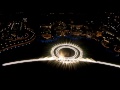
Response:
column 61, row 58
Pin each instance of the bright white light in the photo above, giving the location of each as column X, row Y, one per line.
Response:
column 55, row 52
column 30, row 60
column 109, row 64
column 77, row 57
column 53, row 59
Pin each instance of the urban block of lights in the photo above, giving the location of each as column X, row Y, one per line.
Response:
column 108, row 32
column 16, row 34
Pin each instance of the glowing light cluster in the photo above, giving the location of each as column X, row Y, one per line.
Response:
column 55, row 53
column 14, row 44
